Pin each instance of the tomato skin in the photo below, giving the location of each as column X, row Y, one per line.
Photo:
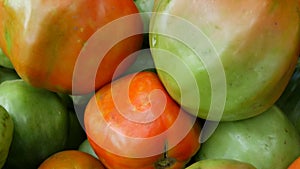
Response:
column 242, row 37
column 44, row 38
column 295, row 164
column 266, row 141
column 71, row 159
column 40, row 123
column 119, row 149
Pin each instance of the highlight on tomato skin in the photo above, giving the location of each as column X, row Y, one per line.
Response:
column 47, row 37
column 133, row 123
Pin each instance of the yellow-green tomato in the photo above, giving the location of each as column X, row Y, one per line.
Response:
column 235, row 56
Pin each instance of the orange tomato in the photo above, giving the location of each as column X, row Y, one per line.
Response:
column 132, row 123
column 44, row 39
column 71, row 159
column 295, row 164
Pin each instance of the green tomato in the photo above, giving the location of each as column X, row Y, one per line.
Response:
column 40, row 123
column 220, row 164
column 6, row 134
column 4, row 61
column 235, row 56
column 267, row 141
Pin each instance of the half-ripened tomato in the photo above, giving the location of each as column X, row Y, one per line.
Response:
column 44, row 39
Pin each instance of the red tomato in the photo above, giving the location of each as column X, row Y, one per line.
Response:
column 44, row 38
column 133, row 123
column 295, row 164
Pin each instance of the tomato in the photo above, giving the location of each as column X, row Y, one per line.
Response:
column 71, row 159
column 220, row 164
column 133, row 123
column 44, row 39
column 295, row 164
column 266, row 141
column 6, row 134
column 225, row 55
column 40, row 123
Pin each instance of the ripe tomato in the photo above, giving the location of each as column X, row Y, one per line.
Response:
column 133, row 123
column 43, row 39
column 71, row 159
column 295, row 164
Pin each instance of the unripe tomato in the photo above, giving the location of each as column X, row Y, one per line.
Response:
column 41, row 123
column 236, row 56
column 267, row 141
column 133, row 123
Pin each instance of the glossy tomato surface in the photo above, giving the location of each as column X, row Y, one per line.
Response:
column 133, row 123
column 41, row 123
column 233, row 55
column 44, row 39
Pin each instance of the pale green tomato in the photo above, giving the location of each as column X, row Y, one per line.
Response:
column 267, row 141
column 235, row 56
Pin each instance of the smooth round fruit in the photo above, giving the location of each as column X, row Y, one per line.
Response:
column 41, row 123
column 266, row 141
column 133, row 123
column 49, row 41
column 240, row 54
column 71, row 159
